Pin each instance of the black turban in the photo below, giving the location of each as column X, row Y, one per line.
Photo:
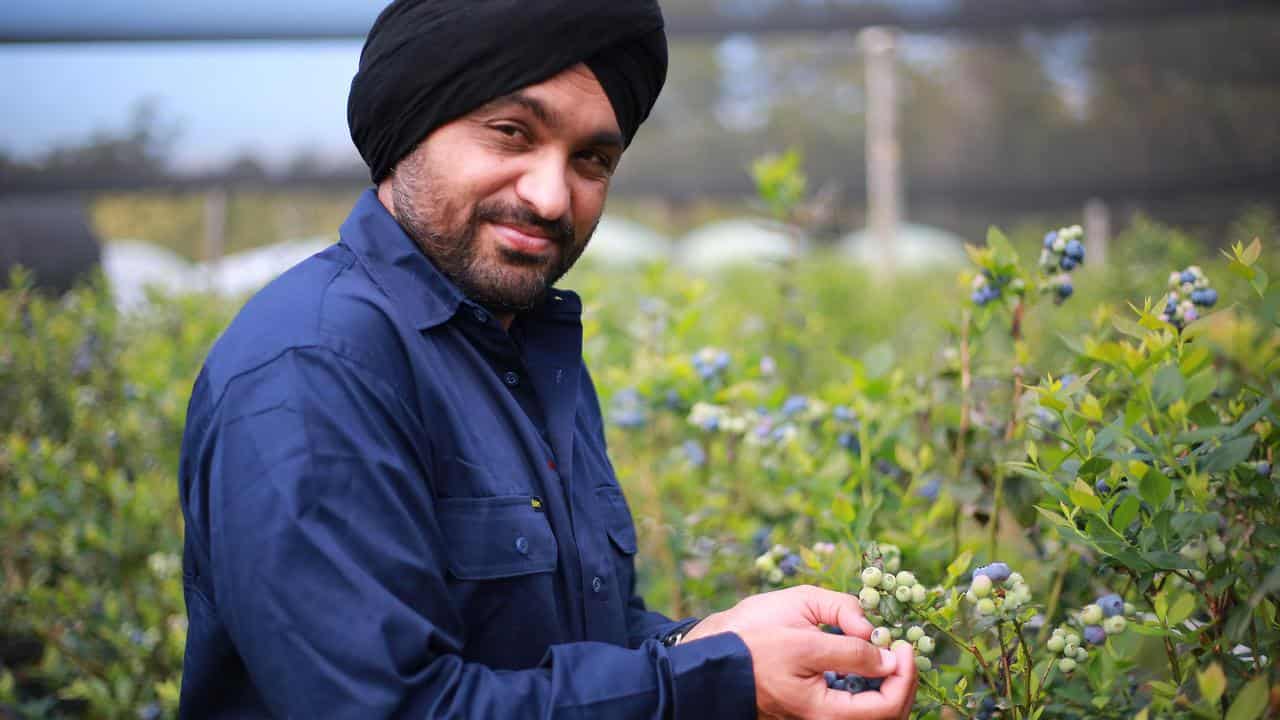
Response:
column 428, row 62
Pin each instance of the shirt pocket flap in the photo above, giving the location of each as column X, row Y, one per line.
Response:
column 617, row 519
column 496, row 537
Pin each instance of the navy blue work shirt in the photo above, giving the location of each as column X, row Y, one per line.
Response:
column 396, row 509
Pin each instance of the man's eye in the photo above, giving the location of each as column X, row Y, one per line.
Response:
column 600, row 160
column 511, row 131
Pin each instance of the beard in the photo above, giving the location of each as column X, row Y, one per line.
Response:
column 500, row 278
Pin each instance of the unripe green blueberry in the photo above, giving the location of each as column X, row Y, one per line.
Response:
column 869, row 598
column 1056, row 644
column 1217, row 548
column 918, row 594
column 892, row 564
column 970, row 595
column 896, row 632
column 1060, row 632
column 1072, row 638
column 981, row 586
column 899, row 644
column 1014, row 579
column 1091, row 615
column 906, row 577
column 1070, row 649
column 986, row 607
column 1082, row 654
column 765, row 563
column 775, row 576
column 1194, row 550
column 1129, row 609
column 880, row 637
column 1066, row 665
column 902, row 593
column 925, row 645
column 914, row 633
column 871, row 576
column 888, row 582
column 1114, row 625
column 923, row 664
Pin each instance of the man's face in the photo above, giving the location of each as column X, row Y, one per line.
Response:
column 505, row 198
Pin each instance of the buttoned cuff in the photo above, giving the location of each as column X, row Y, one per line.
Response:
column 713, row 677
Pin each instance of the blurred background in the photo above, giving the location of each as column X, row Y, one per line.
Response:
column 169, row 158
column 180, row 134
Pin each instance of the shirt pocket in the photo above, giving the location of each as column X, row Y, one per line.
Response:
column 496, row 537
column 621, row 530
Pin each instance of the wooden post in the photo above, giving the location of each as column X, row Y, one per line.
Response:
column 215, row 224
column 884, row 156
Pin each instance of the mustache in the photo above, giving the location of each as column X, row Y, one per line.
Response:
column 559, row 231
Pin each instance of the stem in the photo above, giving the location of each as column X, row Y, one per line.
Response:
column 966, row 383
column 973, row 650
column 995, row 511
column 1054, row 596
column 937, row 695
column 1004, row 664
column 1026, row 658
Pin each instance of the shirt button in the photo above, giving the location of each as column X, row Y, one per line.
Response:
column 511, row 379
column 522, row 545
column 597, row 583
column 481, row 315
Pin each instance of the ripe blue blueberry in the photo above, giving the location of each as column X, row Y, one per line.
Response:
column 794, row 404
column 849, row 442
column 1188, row 276
column 1068, row 263
column 1049, row 238
column 830, row 677
column 1102, row 487
column 1075, row 250
column 1111, row 605
column 929, row 491
column 842, row 413
column 1264, row 468
column 1065, row 290
column 1095, row 635
column 997, row 571
column 789, row 564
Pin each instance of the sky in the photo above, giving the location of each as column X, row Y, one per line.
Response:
column 272, row 99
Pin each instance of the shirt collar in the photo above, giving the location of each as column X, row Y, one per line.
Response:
column 409, row 278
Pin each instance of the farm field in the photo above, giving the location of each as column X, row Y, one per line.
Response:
column 1077, row 477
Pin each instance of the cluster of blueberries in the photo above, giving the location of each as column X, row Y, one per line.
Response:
column 1189, row 292
column 1063, row 252
column 710, row 363
column 778, row 563
column 1105, row 616
column 995, row 588
column 852, row 682
column 987, row 288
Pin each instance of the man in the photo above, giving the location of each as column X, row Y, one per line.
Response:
column 394, row 478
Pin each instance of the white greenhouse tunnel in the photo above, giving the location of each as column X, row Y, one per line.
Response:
column 739, row 241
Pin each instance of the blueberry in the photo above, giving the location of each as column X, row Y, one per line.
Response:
column 929, row 491
column 855, row 683
column 1210, row 297
column 760, row 540
column 794, row 404
column 849, row 442
column 830, row 676
column 842, row 413
column 1111, row 605
column 1102, row 487
column 1188, row 276
column 873, row 683
column 1095, row 635
column 997, row 571
column 789, row 564
column 694, row 452
column 1067, row 263
column 1050, row 237
column 1075, row 250
column 1264, row 468
column 1065, row 290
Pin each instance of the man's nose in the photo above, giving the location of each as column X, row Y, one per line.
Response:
column 544, row 187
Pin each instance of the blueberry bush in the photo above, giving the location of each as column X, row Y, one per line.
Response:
column 1051, row 475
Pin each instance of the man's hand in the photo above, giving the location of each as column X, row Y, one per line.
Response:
column 789, row 653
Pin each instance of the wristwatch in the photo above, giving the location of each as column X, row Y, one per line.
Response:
column 676, row 634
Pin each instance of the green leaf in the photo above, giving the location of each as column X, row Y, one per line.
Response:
column 1154, row 487
column 1212, row 682
column 959, row 566
column 1093, row 466
column 1259, row 281
column 1251, row 702
column 1182, row 608
column 1250, row 254
column 1166, row 560
column 1082, row 495
column 1201, row 386
column 842, row 509
column 1230, row 454
column 1168, row 386
column 1127, row 511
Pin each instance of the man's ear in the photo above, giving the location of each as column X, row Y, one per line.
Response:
column 385, row 196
